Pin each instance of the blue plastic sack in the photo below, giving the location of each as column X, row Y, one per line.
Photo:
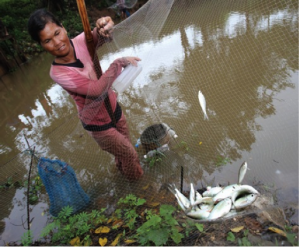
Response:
column 62, row 186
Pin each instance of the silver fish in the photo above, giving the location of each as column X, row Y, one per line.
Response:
column 212, row 191
column 192, row 194
column 231, row 213
column 198, row 214
column 180, row 203
column 244, row 201
column 226, row 192
column 242, row 172
column 220, row 209
column 208, row 200
column 243, row 190
column 198, row 195
column 202, row 104
column 185, row 202
column 206, row 206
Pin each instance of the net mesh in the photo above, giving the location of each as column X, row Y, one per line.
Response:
column 240, row 54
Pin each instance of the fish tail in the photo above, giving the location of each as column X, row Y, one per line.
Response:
column 205, row 117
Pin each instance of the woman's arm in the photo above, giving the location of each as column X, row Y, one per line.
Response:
column 74, row 82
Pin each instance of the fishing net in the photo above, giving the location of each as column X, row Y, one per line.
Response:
column 121, row 4
column 242, row 55
column 62, row 186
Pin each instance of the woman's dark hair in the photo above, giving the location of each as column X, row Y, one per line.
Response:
column 37, row 22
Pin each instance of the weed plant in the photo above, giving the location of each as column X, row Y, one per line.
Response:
column 157, row 227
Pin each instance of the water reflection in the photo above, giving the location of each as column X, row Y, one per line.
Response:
column 243, row 57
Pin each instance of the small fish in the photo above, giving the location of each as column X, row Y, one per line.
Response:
column 231, row 213
column 226, row 192
column 179, row 203
column 212, row 191
column 244, row 201
column 243, row 190
column 192, row 194
column 208, row 200
column 242, row 172
column 202, row 104
column 185, row 202
column 206, row 206
column 202, row 200
column 198, row 214
column 198, row 195
column 221, row 209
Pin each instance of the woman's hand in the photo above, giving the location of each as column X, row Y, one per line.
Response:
column 132, row 60
column 104, row 26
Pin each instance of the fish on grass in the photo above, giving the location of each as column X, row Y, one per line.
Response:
column 202, row 104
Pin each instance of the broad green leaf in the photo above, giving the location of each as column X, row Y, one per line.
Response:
column 199, row 227
column 166, row 209
column 159, row 237
column 230, row 237
column 140, row 202
column 177, row 237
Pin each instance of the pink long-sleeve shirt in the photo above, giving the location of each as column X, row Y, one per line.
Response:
column 80, row 81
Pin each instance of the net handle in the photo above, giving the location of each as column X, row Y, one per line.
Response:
column 88, row 34
column 86, row 27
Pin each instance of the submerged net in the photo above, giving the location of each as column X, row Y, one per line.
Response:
column 240, row 54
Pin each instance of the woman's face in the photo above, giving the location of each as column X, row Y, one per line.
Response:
column 55, row 40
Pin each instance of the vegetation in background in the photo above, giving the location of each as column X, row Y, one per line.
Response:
column 34, row 188
column 15, row 13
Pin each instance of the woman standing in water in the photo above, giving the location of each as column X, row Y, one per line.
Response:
column 73, row 70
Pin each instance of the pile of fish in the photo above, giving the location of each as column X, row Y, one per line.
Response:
column 217, row 202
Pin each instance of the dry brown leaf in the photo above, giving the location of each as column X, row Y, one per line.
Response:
column 153, row 204
column 102, row 241
column 102, row 229
column 146, row 187
column 180, row 229
column 280, row 232
column 75, row 241
column 109, row 220
column 129, row 241
column 237, row 229
column 118, row 223
column 115, row 242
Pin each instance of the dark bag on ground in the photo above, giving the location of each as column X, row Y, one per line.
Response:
column 62, row 186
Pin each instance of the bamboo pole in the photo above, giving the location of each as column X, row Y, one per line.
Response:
column 86, row 27
column 90, row 45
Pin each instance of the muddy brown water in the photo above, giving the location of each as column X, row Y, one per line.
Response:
column 243, row 56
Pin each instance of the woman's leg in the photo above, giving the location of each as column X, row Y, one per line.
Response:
column 117, row 142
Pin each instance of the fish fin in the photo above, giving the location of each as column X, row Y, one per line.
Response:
column 172, row 188
column 205, row 117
